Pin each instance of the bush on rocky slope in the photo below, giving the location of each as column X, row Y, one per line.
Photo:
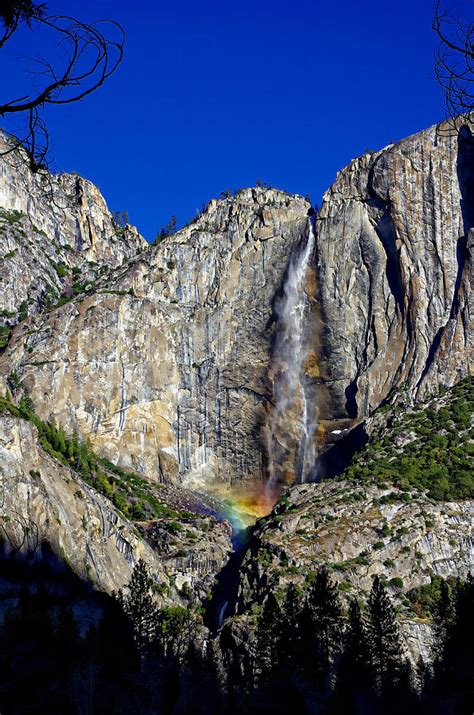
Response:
column 128, row 492
column 427, row 448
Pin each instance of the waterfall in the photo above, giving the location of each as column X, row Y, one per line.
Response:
column 290, row 430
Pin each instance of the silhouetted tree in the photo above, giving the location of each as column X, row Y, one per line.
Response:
column 355, row 691
column 322, row 626
column 87, row 54
column 454, row 65
column 452, row 687
column 171, row 226
column 384, row 639
column 139, row 605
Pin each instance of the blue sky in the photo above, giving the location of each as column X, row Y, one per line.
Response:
column 216, row 95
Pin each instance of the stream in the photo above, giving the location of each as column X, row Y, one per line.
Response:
column 223, row 602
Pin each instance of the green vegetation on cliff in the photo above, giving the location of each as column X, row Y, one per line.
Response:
column 427, row 448
column 128, row 492
column 426, row 600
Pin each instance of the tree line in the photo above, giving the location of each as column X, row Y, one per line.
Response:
column 309, row 653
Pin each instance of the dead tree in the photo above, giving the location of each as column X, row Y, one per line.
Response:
column 85, row 56
column 454, row 64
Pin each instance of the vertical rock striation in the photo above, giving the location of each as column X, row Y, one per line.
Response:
column 165, row 364
column 164, row 367
column 393, row 261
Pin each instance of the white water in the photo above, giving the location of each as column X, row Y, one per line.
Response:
column 289, row 357
column 222, row 613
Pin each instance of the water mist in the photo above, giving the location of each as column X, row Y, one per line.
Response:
column 291, row 427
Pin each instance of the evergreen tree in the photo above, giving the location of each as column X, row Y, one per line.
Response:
column 140, row 606
column 285, row 687
column 268, row 639
column 171, row 227
column 200, row 689
column 52, row 434
column 354, row 685
column 61, row 441
column 70, row 450
column 322, row 626
column 384, row 639
column 452, row 689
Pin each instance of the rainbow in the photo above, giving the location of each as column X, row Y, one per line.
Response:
column 243, row 504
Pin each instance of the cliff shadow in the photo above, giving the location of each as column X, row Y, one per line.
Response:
column 339, row 456
column 222, row 603
column 465, row 173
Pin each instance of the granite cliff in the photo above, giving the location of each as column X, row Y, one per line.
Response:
column 56, row 231
column 167, row 362
column 179, row 338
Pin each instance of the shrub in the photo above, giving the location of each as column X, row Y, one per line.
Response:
column 61, row 269
column 4, row 335
column 396, row 582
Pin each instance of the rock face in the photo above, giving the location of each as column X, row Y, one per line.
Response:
column 55, row 231
column 164, row 369
column 358, row 536
column 41, row 499
column 164, row 364
column 393, row 265
column 180, row 361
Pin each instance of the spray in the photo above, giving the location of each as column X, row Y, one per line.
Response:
column 291, row 427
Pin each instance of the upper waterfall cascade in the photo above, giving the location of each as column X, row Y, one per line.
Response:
column 292, row 423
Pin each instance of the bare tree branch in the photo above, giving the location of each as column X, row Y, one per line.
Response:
column 89, row 53
column 454, row 64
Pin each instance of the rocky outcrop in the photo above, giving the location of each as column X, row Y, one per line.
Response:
column 402, row 511
column 393, row 265
column 164, row 369
column 43, row 500
column 56, row 236
column 358, row 535
column 349, row 529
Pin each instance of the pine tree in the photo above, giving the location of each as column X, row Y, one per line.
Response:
column 354, row 684
column 84, row 464
column 52, row 434
column 140, row 607
column 453, row 684
column 171, row 227
column 384, row 638
column 322, row 628
column 70, row 450
column 61, row 441
column 267, row 636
